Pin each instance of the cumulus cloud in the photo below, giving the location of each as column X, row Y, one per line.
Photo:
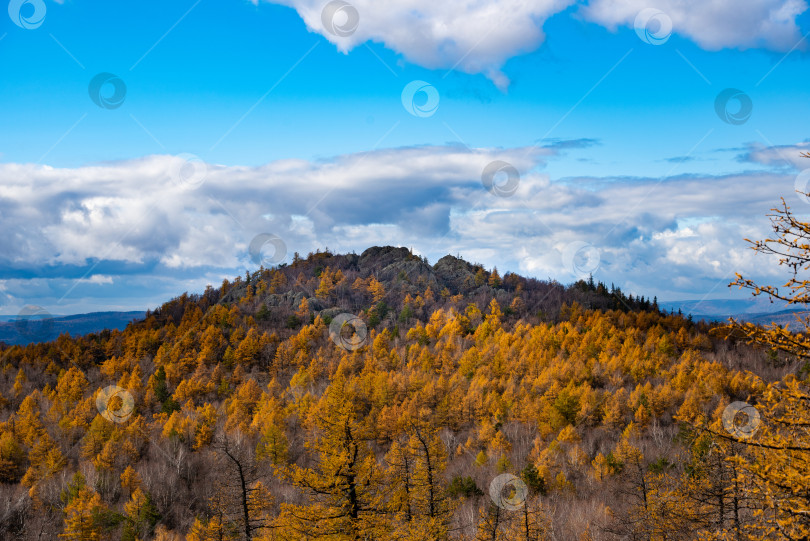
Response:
column 713, row 24
column 138, row 212
column 677, row 236
column 479, row 37
column 469, row 35
column 131, row 226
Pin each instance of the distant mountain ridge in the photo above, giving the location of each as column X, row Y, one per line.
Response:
column 758, row 310
column 727, row 307
column 19, row 330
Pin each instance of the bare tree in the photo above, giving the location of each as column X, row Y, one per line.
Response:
column 245, row 502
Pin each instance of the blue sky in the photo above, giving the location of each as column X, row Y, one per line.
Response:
column 625, row 166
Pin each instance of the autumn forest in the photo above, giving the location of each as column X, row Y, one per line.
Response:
column 376, row 396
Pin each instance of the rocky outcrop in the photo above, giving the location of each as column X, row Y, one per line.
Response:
column 289, row 299
column 453, row 272
column 377, row 258
column 330, row 313
column 408, row 271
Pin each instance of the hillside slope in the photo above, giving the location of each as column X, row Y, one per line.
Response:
column 372, row 396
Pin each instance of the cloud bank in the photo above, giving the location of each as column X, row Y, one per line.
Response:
column 127, row 225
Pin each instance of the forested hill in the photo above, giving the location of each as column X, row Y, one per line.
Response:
column 393, row 288
column 376, row 396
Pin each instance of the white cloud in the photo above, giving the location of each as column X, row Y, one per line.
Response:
column 713, row 24
column 130, row 212
column 783, row 155
column 469, row 35
column 97, row 279
column 667, row 237
column 479, row 37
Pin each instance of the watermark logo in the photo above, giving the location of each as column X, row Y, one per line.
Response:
column 733, row 115
column 34, row 323
column 188, row 171
column 348, row 331
column 581, row 259
column 508, row 492
column 800, row 185
column 653, row 26
column 493, row 178
column 258, row 249
column 340, row 18
column 420, row 99
column 27, row 14
column 107, row 90
column 115, row 403
column 741, row 419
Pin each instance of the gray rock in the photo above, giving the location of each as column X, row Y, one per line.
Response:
column 288, row 299
column 330, row 312
column 453, row 272
column 379, row 257
column 411, row 269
